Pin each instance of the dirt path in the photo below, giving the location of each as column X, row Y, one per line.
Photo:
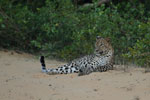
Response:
column 21, row 79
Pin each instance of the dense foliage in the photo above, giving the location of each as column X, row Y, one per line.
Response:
column 61, row 29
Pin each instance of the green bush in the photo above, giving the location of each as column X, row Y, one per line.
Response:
column 140, row 52
column 60, row 29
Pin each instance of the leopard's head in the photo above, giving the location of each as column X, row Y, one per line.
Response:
column 102, row 46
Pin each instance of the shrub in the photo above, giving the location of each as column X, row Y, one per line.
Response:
column 140, row 52
column 60, row 29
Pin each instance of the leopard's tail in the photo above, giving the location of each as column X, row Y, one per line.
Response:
column 65, row 69
column 43, row 64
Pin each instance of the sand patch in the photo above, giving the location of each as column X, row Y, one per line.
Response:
column 21, row 79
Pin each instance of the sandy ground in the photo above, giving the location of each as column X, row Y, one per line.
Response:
column 21, row 79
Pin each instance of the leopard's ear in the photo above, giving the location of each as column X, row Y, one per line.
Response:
column 108, row 40
column 98, row 37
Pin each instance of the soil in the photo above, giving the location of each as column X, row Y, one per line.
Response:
column 21, row 79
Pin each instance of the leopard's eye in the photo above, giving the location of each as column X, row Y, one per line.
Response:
column 100, row 44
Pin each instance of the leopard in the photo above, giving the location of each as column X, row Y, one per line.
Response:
column 101, row 60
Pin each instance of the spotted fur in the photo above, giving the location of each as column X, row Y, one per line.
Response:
column 101, row 60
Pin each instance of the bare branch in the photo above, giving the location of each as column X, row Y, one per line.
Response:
column 102, row 2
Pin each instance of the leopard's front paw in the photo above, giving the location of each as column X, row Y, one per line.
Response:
column 84, row 71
